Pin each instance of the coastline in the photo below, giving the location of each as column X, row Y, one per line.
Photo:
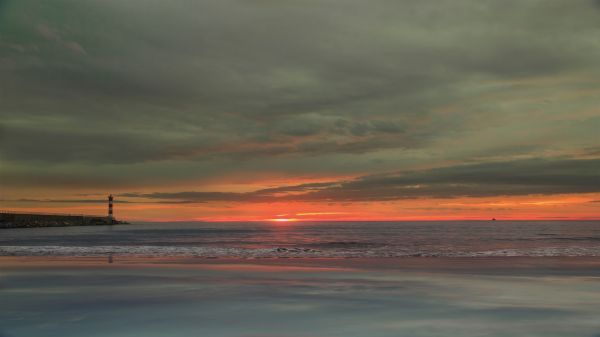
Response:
column 588, row 265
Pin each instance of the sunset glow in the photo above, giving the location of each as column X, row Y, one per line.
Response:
column 282, row 220
column 536, row 207
column 408, row 111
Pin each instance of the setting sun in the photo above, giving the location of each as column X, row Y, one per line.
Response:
column 283, row 220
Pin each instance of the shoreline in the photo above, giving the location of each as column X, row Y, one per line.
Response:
column 478, row 265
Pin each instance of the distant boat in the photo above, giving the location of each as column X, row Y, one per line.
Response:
column 493, row 219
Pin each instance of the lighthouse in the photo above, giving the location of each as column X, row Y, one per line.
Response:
column 110, row 208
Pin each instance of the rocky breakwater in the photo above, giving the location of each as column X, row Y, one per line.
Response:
column 33, row 220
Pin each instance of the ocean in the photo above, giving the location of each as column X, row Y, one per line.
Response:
column 311, row 239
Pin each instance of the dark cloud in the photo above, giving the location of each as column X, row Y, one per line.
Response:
column 257, row 196
column 70, row 201
column 190, row 196
column 90, row 201
column 525, row 177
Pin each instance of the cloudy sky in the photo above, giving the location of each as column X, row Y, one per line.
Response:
column 313, row 109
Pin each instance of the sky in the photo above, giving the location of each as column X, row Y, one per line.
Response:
column 311, row 110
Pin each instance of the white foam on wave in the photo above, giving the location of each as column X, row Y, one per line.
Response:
column 233, row 252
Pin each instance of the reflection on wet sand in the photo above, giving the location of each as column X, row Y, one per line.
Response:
column 411, row 297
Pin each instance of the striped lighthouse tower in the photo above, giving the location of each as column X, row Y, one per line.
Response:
column 110, row 207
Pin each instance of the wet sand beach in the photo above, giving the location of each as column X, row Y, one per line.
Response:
column 135, row 296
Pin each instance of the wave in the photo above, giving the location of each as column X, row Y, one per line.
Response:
column 282, row 252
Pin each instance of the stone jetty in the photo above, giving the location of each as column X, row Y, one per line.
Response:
column 31, row 220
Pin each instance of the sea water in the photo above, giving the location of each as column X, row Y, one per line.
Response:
column 311, row 239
